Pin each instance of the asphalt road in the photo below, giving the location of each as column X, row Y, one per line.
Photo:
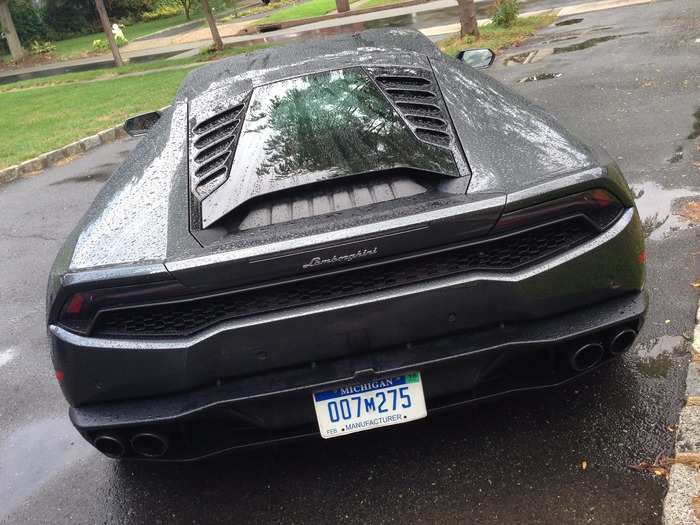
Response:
column 515, row 460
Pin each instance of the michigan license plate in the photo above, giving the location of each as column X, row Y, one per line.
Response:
column 373, row 404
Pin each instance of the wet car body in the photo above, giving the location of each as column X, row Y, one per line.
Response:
column 316, row 215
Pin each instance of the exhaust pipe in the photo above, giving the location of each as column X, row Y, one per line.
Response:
column 586, row 357
column 149, row 444
column 110, row 446
column 623, row 341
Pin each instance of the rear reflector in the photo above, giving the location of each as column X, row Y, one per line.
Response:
column 75, row 304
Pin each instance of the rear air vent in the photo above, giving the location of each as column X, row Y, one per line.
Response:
column 502, row 254
column 212, row 144
column 325, row 198
column 417, row 97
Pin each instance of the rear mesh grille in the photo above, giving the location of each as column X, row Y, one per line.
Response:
column 212, row 143
column 186, row 317
column 417, row 97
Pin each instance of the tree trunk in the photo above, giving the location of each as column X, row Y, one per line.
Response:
column 342, row 6
column 8, row 26
column 104, row 20
column 186, row 6
column 467, row 18
column 218, row 43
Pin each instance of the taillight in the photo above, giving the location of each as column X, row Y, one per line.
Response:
column 80, row 309
column 598, row 206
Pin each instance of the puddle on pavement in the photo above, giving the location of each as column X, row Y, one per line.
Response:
column 659, row 211
column 660, row 346
column 677, row 155
column 592, row 42
column 33, row 454
column 655, row 367
column 540, row 76
column 89, row 177
column 569, row 22
column 696, row 125
column 657, row 355
column 585, row 44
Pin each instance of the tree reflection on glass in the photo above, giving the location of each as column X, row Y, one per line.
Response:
column 335, row 123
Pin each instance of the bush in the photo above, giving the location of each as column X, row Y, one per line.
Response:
column 42, row 48
column 68, row 18
column 164, row 11
column 101, row 44
column 506, row 13
column 28, row 22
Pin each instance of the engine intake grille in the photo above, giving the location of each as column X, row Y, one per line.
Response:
column 416, row 95
column 186, row 317
column 212, row 142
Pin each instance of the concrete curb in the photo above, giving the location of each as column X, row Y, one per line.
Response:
column 54, row 157
column 682, row 503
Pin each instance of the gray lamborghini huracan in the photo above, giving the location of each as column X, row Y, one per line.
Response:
column 332, row 237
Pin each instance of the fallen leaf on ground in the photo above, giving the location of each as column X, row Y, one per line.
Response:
column 691, row 211
column 658, row 467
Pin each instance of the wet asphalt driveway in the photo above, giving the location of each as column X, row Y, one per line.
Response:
column 515, row 460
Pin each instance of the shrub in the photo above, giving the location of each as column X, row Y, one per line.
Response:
column 67, row 18
column 506, row 13
column 101, row 44
column 28, row 22
column 38, row 47
column 163, row 11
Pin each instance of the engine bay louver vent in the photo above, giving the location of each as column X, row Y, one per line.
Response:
column 212, row 145
column 417, row 98
column 327, row 198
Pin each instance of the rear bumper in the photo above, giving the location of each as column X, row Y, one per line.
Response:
column 98, row 370
column 278, row 406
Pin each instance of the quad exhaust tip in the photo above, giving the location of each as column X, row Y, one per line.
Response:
column 110, row 446
column 623, row 341
column 586, row 357
column 149, row 444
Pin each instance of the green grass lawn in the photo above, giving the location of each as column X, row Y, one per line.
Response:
column 43, row 114
column 314, row 8
column 377, row 3
column 295, row 12
column 495, row 37
column 41, row 120
column 81, row 45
